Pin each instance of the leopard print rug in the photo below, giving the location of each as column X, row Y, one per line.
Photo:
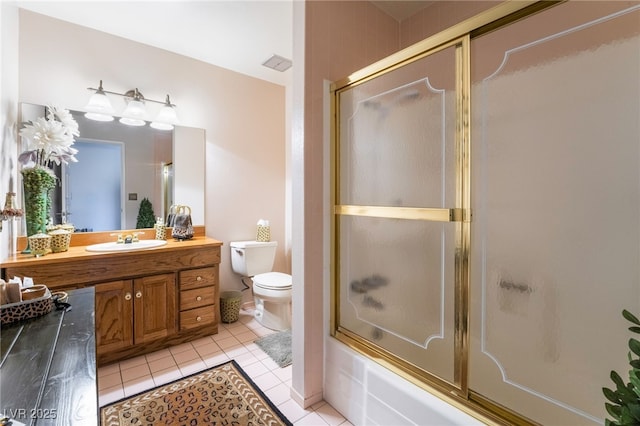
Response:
column 222, row 395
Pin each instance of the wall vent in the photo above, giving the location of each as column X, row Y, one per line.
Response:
column 278, row 63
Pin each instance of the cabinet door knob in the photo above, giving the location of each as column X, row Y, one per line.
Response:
column 199, row 298
column 127, row 296
column 198, row 278
column 138, row 295
column 198, row 319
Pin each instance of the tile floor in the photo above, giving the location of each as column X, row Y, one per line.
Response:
column 233, row 341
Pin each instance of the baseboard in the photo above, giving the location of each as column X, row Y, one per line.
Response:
column 305, row 402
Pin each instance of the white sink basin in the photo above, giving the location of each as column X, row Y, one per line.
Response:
column 113, row 246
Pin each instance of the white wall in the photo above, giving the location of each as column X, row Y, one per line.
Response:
column 8, row 109
column 243, row 117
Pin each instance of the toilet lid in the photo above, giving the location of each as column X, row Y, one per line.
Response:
column 273, row 281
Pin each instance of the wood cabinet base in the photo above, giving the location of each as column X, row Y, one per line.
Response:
column 145, row 300
column 137, row 350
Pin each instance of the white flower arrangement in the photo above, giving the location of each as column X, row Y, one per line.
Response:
column 50, row 139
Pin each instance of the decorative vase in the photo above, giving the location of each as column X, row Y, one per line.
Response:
column 37, row 183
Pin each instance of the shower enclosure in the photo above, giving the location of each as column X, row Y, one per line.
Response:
column 486, row 200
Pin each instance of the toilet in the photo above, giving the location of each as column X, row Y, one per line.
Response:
column 271, row 290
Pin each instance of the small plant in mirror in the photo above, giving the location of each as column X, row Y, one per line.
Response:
column 624, row 401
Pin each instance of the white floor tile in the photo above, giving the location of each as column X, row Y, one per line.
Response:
column 185, row 356
column 168, row 375
column 245, row 360
column 311, row 419
column 107, row 396
column 237, row 328
column 207, row 340
column 293, row 411
column 162, row 364
column 109, row 369
column 284, row 374
column 279, row 394
column 191, row 367
column 132, row 362
column 162, row 353
column 181, row 348
column 233, row 341
column 256, row 369
column 109, row 381
column 222, row 334
column 138, row 385
column 269, row 363
column 228, row 343
column 236, row 351
column 247, row 337
column 134, row 372
column 207, row 349
column 266, row 381
column 330, row 415
column 215, row 359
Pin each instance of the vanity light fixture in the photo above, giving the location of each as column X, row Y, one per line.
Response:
column 166, row 118
column 135, row 112
column 99, row 108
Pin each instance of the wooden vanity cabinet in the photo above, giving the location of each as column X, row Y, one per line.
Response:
column 145, row 300
column 114, row 313
column 132, row 312
column 198, row 297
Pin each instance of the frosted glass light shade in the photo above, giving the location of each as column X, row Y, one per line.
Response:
column 165, row 119
column 99, row 107
column 134, row 114
column 98, row 117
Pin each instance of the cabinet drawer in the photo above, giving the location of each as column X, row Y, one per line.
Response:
column 197, row 317
column 198, row 277
column 195, row 298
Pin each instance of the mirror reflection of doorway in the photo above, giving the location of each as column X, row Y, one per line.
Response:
column 103, row 192
column 167, row 188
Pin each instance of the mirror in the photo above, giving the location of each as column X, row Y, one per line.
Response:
column 118, row 166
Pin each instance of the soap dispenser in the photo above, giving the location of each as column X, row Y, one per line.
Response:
column 161, row 229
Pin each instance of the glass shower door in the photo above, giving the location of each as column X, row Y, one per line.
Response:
column 396, row 199
column 556, row 190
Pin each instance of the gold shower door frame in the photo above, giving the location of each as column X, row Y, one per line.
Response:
column 459, row 37
column 459, row 215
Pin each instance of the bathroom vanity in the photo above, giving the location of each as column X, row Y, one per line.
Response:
column 145, row 300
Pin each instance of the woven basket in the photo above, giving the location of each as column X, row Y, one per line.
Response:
column 60, row 240
column 263, row 234
column 230, row 306
column 27, row 309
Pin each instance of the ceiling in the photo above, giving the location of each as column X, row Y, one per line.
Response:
column 236, row 34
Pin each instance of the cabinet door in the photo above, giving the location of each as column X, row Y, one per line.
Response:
column 114, row 315
column 155, row 307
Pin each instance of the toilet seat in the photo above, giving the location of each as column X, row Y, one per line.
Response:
column 273, row 281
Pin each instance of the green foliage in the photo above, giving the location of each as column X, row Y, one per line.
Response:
column 146, row 218
column 624, row 402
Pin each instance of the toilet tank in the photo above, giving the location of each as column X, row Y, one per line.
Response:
column 250, row 258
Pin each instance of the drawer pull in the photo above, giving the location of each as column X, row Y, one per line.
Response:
column 139, row 295
column 198, row 319
column 199, row 298
column 127, row 296
column 198, row 278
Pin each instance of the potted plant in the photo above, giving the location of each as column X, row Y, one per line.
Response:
column 624, row 401
column 146, row 218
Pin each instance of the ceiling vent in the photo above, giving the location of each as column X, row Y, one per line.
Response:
column 278, row 63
